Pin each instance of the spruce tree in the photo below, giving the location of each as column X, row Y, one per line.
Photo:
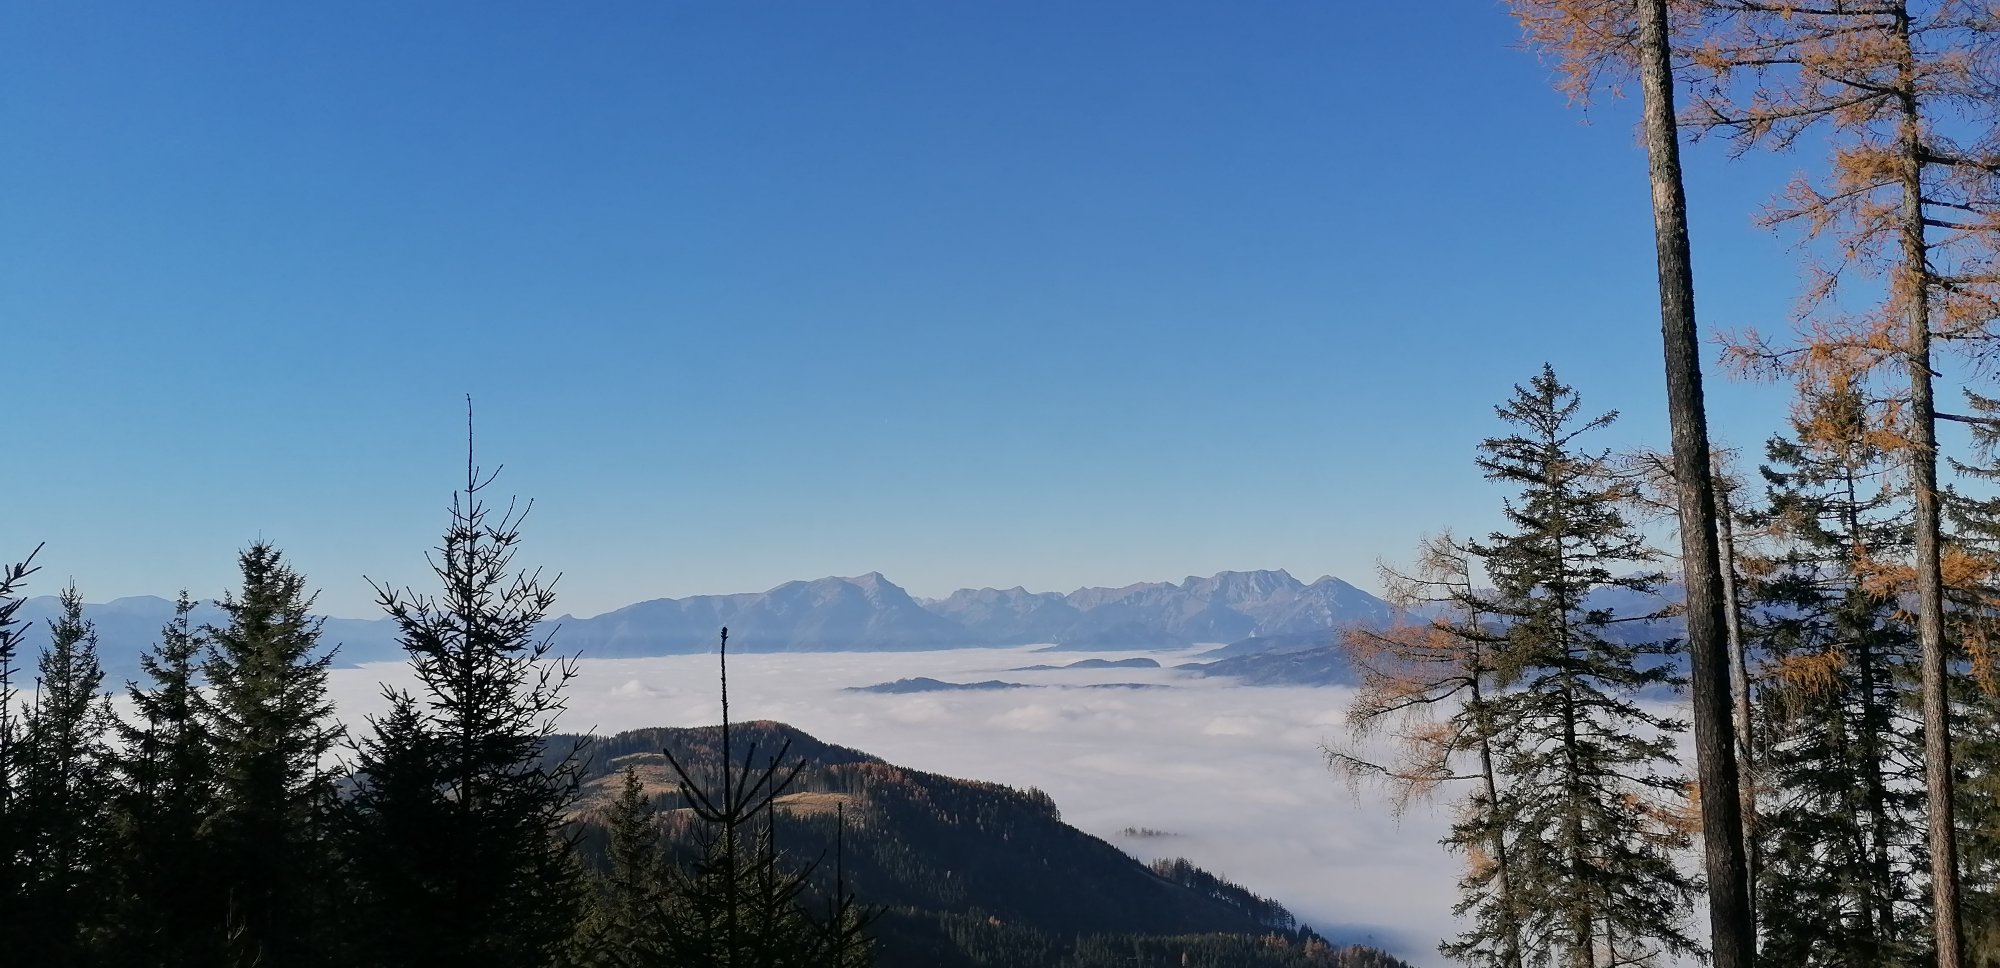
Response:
column 166, row 785
column 634, row 892
column 393, row 823
column 1589, row 772
column 739, row 904
column 1842, row 819
column 1975, row 553
column 13, row 878
column 458, row 816
column 273, row 731
column 64, row 788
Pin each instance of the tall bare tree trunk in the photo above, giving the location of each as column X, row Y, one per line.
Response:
column 1915, row 280
column 1739, row 680
column 1732, row 929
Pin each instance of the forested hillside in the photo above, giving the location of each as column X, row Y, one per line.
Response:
column 981, row 870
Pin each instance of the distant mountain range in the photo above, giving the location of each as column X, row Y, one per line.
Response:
column 1257, row 613
column 867, row 612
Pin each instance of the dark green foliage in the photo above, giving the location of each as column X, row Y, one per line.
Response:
column 456, row 821
column 1587, row 771
column 268, row 830
column 13, row 874
column 1977, row 736
column 1842, row 836
column 63, row 792
column 633, row 893
column 169, row 905
column 395, row 820
column 1976, row 693
column 1260, row 910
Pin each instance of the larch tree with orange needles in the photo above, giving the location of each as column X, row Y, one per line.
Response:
column 1595, row 42
column 1906, row 96
column 1427, row 682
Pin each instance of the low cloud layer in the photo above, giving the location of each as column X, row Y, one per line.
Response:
column 1234, row 771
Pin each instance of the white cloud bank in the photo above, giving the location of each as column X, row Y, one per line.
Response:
column 1235, row 772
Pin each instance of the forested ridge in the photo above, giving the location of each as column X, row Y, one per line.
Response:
column 961, row 872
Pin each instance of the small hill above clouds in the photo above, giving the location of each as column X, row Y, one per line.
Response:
column 1322, row 666
column 927, row 684
column 972, row 873
column 1136, row 663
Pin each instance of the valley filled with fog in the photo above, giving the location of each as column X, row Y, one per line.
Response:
column 1229, row 776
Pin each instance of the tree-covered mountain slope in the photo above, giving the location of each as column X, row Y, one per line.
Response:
column 964, row 872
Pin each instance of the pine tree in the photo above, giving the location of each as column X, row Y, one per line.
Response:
column 64, row 789
column 1842, row 817
column 1589, row 781
column 268, row 831
column 165, row 786
column 457, row 774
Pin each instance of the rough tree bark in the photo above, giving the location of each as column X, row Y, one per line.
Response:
column 1915, row 281
column 1732, row 928
column 1739, row 680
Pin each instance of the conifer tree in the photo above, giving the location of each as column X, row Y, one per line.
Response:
column 1589, row 772
column 63, row 794
column 268, row 831
column 739, row 905
column 13, row 878
column 166, row 785
column 1843, row 816
column 458, row 818
column 1594, row 42
column 1974, row 584
column 629, row 919
column 1903, row 91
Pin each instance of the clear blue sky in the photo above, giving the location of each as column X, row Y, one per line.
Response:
column 1049, row 293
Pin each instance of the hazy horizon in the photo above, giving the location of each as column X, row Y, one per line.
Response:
column 1050, row 295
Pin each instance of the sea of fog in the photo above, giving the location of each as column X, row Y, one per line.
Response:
column 1233, row 773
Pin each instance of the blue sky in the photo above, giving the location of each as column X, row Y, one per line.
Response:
column 1043, row 293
